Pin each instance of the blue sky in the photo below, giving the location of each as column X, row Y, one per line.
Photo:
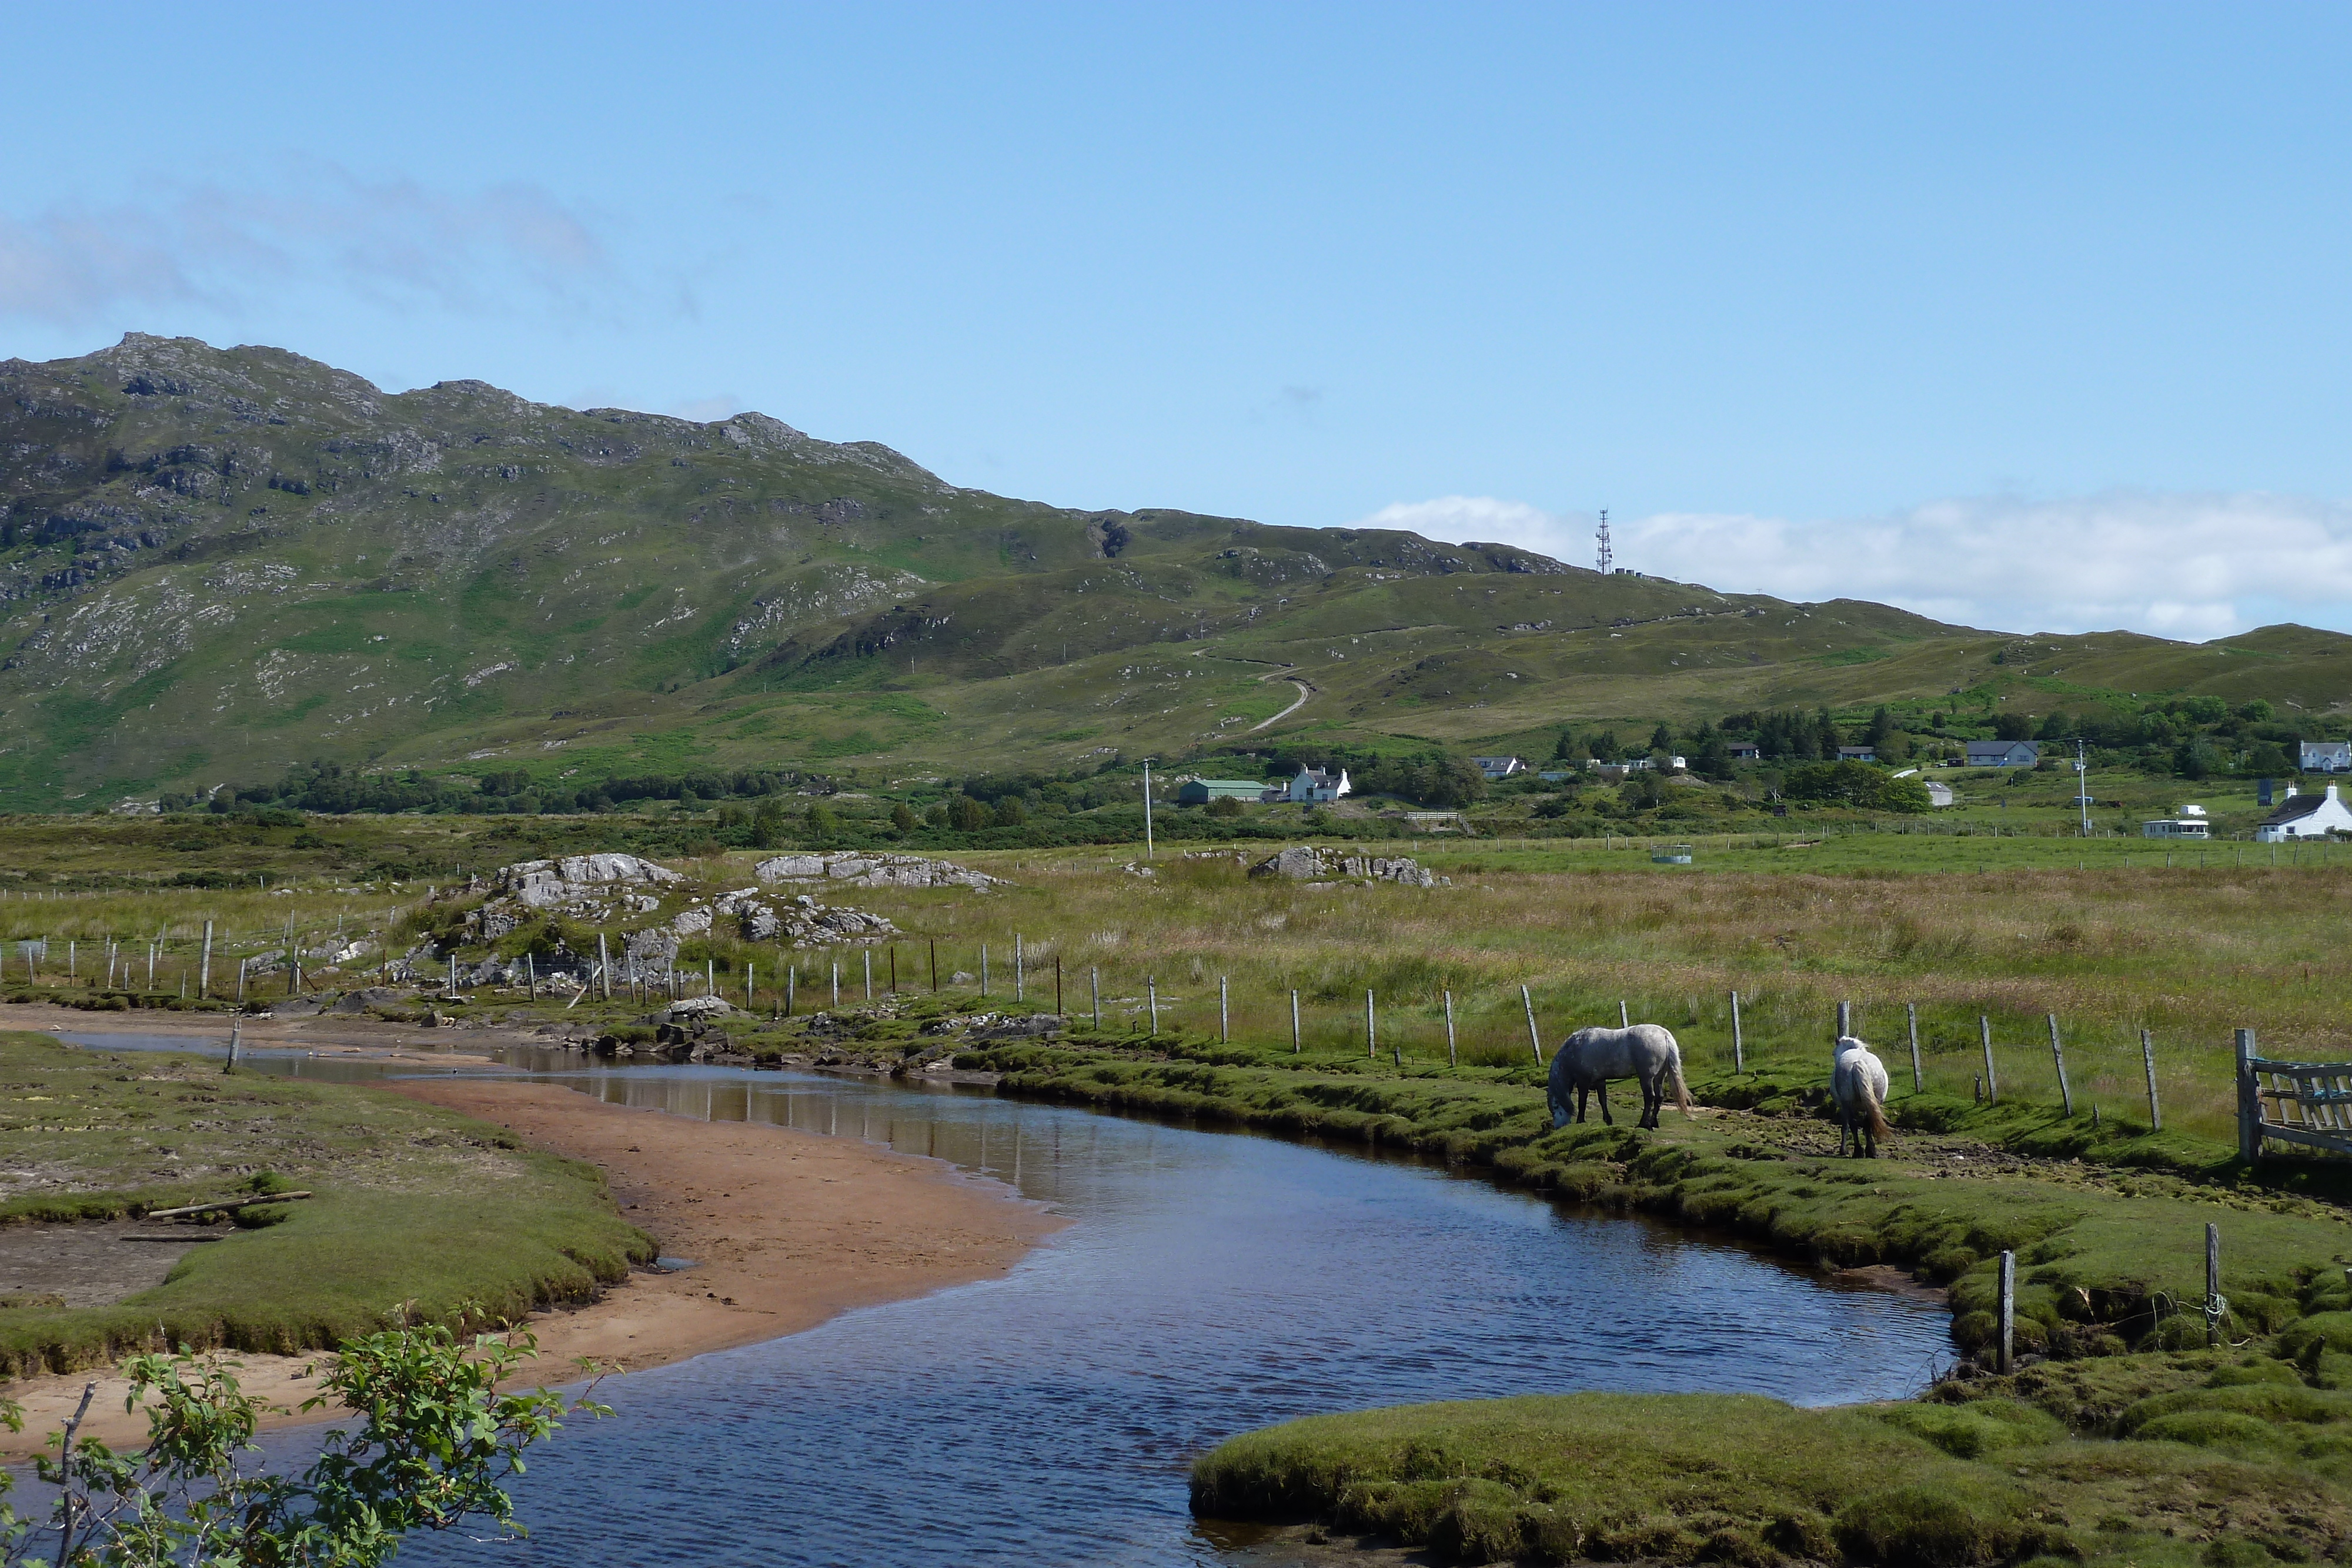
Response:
column 2030, row 315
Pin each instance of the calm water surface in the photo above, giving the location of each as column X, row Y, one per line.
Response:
column 1211, row 1283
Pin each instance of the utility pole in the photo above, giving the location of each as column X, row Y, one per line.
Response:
column 2082, row 784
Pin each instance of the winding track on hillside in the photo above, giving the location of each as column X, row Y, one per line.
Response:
column 1305, row 691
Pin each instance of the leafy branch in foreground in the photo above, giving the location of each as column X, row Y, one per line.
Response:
column 436, row 1444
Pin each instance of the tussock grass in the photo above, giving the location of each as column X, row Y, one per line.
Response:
column 417, row 1210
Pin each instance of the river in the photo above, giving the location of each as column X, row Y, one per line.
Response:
column 1211, row 1283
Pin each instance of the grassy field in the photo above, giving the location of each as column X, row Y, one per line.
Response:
column 2100, row 931
column 414, row 1205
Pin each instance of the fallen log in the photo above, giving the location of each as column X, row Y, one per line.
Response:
column 222, row 1206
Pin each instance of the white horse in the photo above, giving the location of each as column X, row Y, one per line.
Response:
column 1858, row 1082
column 1590, row 1058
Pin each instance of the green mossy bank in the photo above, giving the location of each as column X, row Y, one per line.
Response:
column 418, row 1212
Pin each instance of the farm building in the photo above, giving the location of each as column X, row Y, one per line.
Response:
column 1315, row 784
column 1499, row 767
column 1857, row 754
column 2004, row 753
column 1200, row 791
column 2304, row 817
column 2326, row 756
column 1745, row 751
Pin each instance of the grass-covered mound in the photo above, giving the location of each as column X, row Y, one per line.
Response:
column 417, row 1209
column 2233, row 1459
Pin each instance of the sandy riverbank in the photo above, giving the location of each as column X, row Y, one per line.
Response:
column 787, row 1228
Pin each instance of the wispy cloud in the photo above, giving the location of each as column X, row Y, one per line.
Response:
column 394, row 241
column 706, row 409
column 2185, row 566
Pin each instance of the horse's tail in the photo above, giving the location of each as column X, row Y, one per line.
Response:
column 1865, row 1092
column 1681, row 1090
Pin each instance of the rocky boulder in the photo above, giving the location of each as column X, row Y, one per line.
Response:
column 863, row 870
column 552, row 883
column 1305, row 862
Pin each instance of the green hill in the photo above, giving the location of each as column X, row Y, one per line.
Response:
column 217, row 563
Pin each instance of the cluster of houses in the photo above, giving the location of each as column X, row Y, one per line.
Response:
column 2298, row 815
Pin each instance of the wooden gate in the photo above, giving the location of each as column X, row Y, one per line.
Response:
column 2305, row 1103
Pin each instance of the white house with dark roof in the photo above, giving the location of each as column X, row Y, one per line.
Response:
column 1499, row 767
column 2326, row 756
column 2004, row 753
column 2302, row 816
column 1318, row 784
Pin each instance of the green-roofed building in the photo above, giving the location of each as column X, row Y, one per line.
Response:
column 1200, row 791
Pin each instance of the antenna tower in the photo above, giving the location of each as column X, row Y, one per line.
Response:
column 1603, row 535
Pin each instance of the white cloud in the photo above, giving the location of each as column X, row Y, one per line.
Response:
column 2184, row 566
column 393, row 240
column 706, row 409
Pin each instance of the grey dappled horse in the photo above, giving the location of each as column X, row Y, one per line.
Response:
column 1590, row 1058
column 1858, row 1083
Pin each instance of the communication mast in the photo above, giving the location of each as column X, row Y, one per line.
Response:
column 1603, row 535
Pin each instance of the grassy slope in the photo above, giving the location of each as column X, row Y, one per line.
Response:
column 414, row 1205
column 473, row 581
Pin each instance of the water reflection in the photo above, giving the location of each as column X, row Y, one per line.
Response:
column 1211, row 1282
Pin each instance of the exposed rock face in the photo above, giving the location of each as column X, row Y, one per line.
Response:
column 871, row 871
column 694, row 1009
column 1304, row 863
column 545, row 884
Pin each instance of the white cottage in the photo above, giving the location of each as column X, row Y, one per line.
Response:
column 1318, row 784
column 2302, row 816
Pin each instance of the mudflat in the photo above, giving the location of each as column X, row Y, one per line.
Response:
column 785, row 1229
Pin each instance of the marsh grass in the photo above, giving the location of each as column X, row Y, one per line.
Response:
column 415, row 1205
column 1739, row 1478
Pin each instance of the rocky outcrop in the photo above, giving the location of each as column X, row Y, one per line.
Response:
column 575, row 879
column 1305, row 862
column 856, row 870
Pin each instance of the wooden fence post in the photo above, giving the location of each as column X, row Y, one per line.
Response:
column 1919, row 1079
column 1845, row 1019
column 1535, row 1040
column 1294, row 1023
column 837, row 982
column 1738, row 1046
column 1151, row 994
column 2215, row 1306
column 935, row 965
column 1624, row 1019
column 791, row 984
column 751, row 984
column 2008, row 1310
column 1452, row 1059
column 1094, row 983
column 894, row 969
column 1993, row 1083
column 1057, row 987
column 2058, row 1055
column 1020, row 979
column 2147, row 1060
column 1224, row 1016
column 867, row 955
column 1371, row 1043
column 203, row 975
column 984, row 970
column 604, row 965
column 2249, row 1104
